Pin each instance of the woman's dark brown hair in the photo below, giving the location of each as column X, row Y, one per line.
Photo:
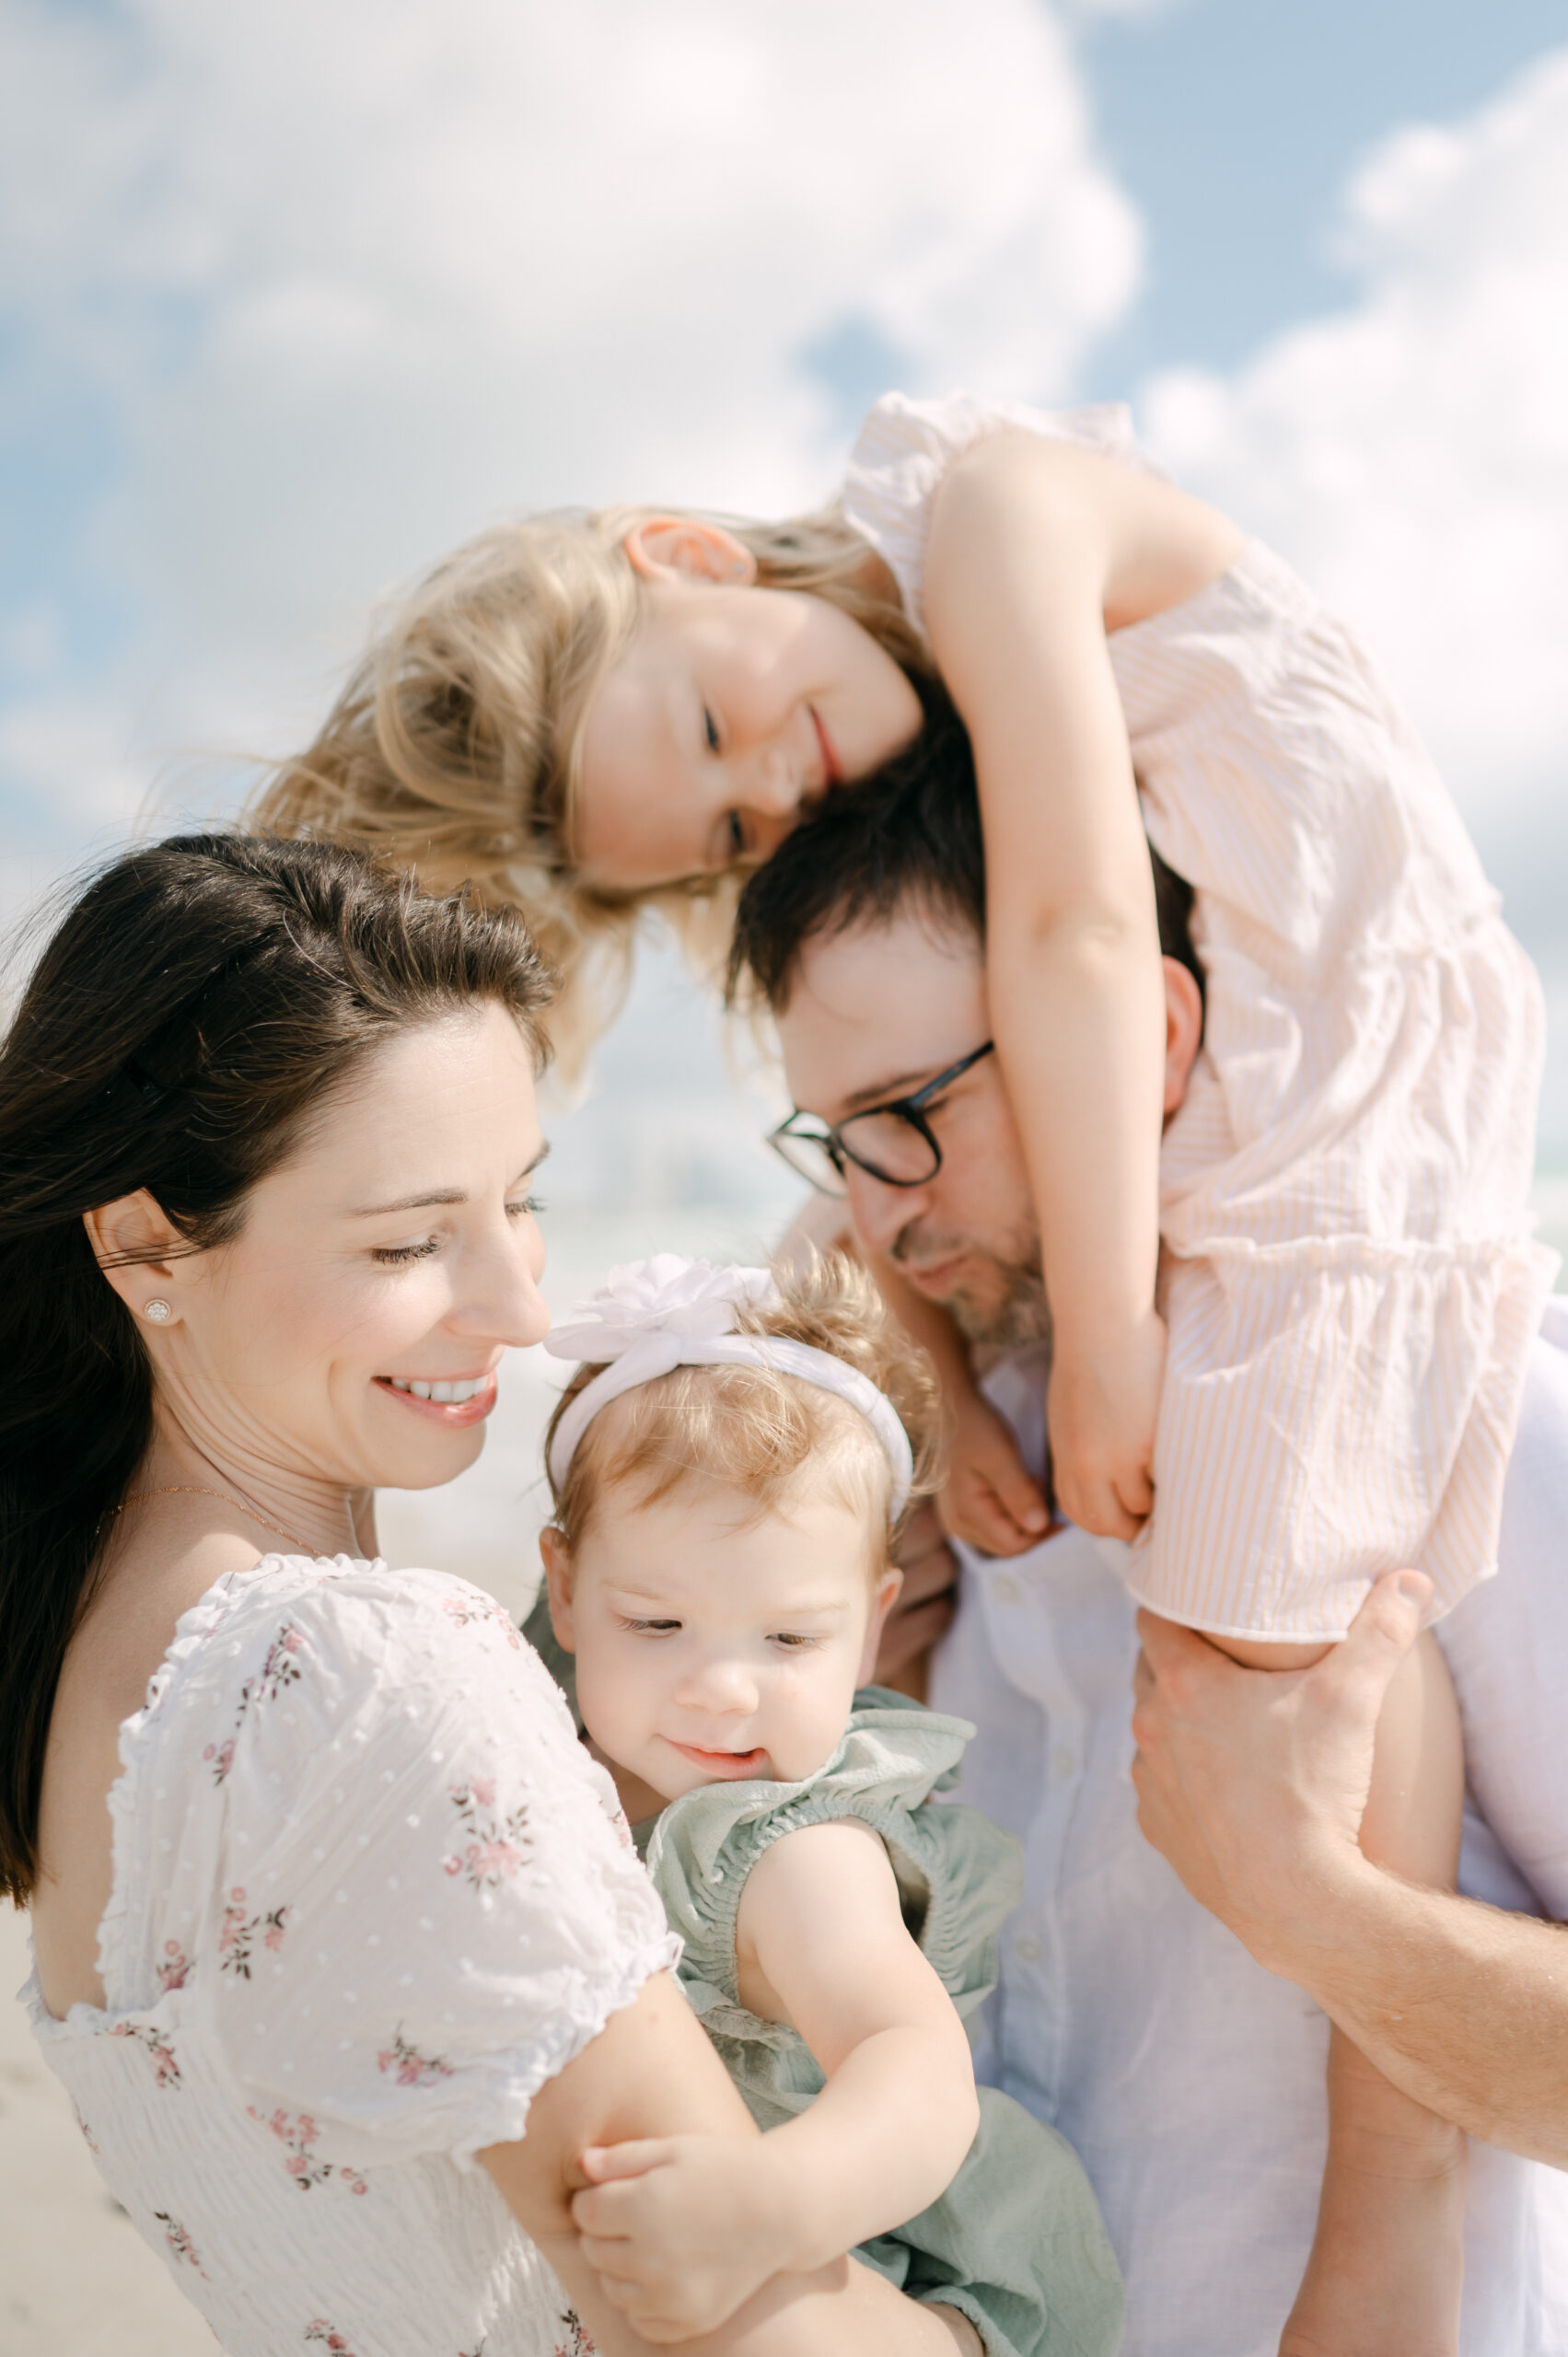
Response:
column 188, row 1018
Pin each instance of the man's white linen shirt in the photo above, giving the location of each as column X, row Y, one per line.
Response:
column 1189, row 2080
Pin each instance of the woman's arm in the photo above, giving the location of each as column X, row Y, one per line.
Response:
column 821, row 1945
column 651, row 2070
column 1253, row 1784
column 1037, row 549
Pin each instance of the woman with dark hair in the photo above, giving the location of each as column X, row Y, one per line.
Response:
column 328, row 1903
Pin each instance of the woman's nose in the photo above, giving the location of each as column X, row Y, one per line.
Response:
column 502, row 1301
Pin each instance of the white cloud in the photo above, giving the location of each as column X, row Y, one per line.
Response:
column 1411, row 452
column 345, row 282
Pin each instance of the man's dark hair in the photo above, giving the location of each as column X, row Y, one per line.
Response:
column 910, row 834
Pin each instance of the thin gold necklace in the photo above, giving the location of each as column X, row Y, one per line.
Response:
column 192, row 1490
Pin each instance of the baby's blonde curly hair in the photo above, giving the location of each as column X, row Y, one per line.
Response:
column 754, row 1430
column 455, row 746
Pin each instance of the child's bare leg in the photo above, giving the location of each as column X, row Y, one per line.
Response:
column 1385, row 2272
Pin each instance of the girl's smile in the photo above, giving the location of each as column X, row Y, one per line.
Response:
column 733, row 709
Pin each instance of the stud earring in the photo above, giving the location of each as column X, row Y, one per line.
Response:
column 159, row 1310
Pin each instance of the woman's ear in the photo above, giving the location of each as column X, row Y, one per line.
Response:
column 889, row 1587
column 1183, row 1030
column 141, row 1255
column 558, row 1582
column 683, row 548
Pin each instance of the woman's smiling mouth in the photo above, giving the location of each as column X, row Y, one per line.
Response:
column 447, row 1399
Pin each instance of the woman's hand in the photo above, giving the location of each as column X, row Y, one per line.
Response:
column 682, row 2230
column 988, row 1499
column 1103, row 1406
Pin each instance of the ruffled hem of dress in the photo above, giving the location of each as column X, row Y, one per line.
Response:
column 1369, row 1252
column 193, row 1629
column 501, row 2114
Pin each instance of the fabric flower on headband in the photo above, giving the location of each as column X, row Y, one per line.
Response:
column 656, row 1315
column 668, row 1294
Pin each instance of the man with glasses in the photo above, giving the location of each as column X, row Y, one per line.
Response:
column 1188, row 2078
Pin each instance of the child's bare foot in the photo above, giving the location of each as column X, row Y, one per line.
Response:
column 1388, row 2259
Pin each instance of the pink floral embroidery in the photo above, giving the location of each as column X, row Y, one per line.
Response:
column 236, row 1940
column 296, row 2133
column 577, row 2343
column 90, row 2139
column 466, row 1612
column 497, row 1845
column 413, row 2068
column 180, row 2243
column 158, row 2047
column 279, row 1669
column 171, row 1972
column 323, row 2331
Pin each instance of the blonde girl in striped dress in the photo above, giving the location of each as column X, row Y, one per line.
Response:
column 1318, row 1379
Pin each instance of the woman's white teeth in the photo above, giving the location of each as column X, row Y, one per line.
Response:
column 449, row 1394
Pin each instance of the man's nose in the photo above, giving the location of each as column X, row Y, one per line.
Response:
column 880, row 1212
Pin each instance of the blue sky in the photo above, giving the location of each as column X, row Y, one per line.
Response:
column 290, row 299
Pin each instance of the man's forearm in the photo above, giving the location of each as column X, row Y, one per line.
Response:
column 1463, row 2006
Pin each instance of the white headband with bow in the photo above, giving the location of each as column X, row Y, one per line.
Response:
column 656, row 1315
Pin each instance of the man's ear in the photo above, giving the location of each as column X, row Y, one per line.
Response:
column 558, row 1581
column 684, row 548
column 139, row 1252
column 1183, row 1030
column 889, row 1587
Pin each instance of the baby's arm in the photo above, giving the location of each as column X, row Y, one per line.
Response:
column 698, row 2222
column 1036, row 550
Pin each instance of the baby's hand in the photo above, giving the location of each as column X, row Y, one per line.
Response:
column 682, row 2230
column 988, row 1499
column 1103, row 1404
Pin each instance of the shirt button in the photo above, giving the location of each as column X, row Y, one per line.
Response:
column 1065, row 1762
column 1026, row 1948
column 1004, row 1587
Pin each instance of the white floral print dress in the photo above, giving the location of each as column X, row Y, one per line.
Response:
column 369, row 1895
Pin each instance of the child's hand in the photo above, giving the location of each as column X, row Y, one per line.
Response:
column 988, row 1499
column 1102, row 1408
column 682, row 2230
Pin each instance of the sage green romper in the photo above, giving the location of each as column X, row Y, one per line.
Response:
column 1016, row 2242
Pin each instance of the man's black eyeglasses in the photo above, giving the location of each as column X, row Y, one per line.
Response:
column 894, row 1142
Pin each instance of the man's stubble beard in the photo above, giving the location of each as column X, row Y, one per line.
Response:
column 1011, row 1315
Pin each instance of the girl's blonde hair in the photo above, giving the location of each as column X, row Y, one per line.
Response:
column 455, row 746
column 754, row 1430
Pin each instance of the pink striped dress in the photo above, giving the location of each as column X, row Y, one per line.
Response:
column 1348, row 1272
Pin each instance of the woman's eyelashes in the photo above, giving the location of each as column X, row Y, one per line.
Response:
column 710, row 730
column 397, row 1256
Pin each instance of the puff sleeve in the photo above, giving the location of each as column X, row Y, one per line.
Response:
column 426, row 1899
